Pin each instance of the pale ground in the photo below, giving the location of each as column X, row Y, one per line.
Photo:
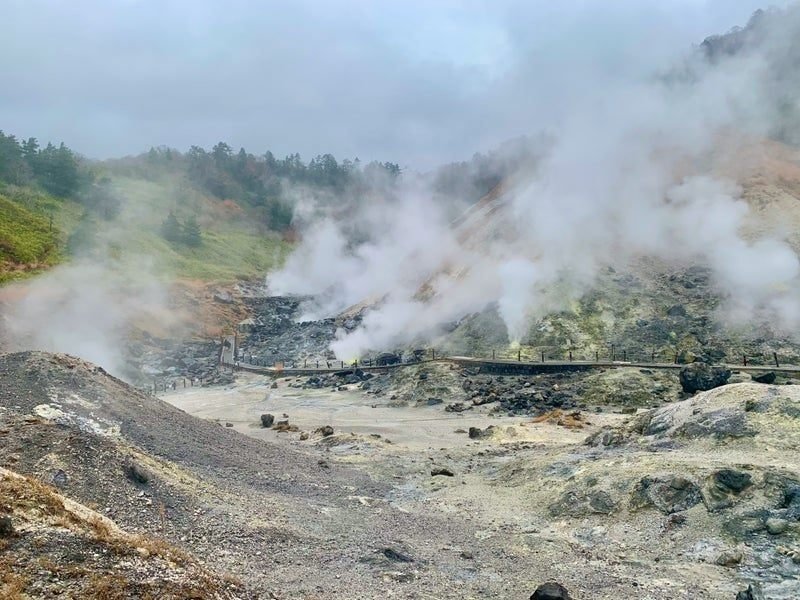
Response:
column 352, row 411
column 504, row 484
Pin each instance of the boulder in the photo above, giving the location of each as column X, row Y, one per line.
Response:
column 325, row 431
column 753, row 592
column 700, row 377
column 223, row 297
column 551, row 591
column 669, row 494
column 768, row 377
column 676, row 310
column 387, row 358
column 59, row 479
column 729, row 558
column 6, row 527
column 580, row 503
column 722, row 488
column 776, row 526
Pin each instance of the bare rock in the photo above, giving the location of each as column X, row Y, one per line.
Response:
column 551, row 591
column 700, row 377
column 396, row 555
column 729, row 558
column 669, row 494
column 767, row 378
column 753, row 592
column 722, row 488
column 325, row 431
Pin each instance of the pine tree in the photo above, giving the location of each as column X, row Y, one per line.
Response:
column 171, row 228
column 191, row 232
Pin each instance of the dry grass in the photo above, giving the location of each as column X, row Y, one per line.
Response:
column 40, row 505
column 12, row 585
column 570, row 420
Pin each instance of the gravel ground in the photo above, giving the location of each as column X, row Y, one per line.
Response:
column 350, row 515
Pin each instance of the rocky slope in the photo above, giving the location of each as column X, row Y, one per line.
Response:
column 690, row 499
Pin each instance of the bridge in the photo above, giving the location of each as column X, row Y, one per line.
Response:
column 493, row 366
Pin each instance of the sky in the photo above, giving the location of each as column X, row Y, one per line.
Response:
column 416, row 82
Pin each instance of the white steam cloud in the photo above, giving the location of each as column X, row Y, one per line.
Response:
column 631, row 173
column 86, row 309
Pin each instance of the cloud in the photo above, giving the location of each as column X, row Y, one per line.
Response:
column 415, row 82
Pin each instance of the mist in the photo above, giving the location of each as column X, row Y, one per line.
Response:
column 87, row 309
column 630, row 174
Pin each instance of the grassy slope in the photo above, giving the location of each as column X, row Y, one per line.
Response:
column 231, row 248
column 28, row 244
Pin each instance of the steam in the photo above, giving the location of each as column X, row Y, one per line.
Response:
column 631, row 173
column 86, row 309
column 92, row 306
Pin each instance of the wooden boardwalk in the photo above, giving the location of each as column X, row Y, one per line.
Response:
column 500, row 366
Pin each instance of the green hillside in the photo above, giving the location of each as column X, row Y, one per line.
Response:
column 27, row 242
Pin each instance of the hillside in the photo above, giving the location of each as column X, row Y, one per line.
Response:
column 32, row 231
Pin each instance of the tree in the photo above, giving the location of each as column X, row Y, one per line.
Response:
column 191, row 232
column 58, row 170
column 12, row 167
column 171, row 229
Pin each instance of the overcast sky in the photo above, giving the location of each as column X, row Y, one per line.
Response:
column 417, row 82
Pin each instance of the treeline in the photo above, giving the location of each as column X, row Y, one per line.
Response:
column 56, row 169
column 470, row 180
column 264, row 185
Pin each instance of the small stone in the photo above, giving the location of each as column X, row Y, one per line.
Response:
column 396, row 555
column 228, row 424
column 551, row 591
column 59, row 479
column 267, row 420
column 729, row 558
column 777, row 526
column 303, row 436
column 274, row 385
column 325, row 431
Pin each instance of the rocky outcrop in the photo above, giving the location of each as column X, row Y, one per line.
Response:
column 669, row 494
column 701, row 377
